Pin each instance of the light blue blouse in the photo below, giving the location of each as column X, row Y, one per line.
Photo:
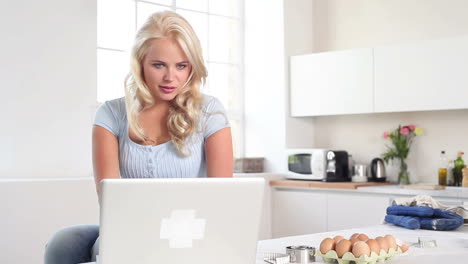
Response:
column 161, row 161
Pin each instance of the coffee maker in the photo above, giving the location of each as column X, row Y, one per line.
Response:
column 337, row 169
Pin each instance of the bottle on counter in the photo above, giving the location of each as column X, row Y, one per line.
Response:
column 450, row 180
column 465, row 177
column 459, row 164
column 443, row 163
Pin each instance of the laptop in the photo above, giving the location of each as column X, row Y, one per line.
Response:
column 175, row 221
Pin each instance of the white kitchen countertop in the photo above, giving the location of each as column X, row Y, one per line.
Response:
column 452, row 246
column 450, row 192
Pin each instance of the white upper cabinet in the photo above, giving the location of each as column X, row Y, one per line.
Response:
column 418, row 76
column 424, row 75
column 332, row 83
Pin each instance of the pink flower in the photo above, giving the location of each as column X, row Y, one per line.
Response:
column 412, row 127
column 385, row 134
column 404, row 130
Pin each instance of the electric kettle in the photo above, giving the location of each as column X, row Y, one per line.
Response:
column 377, row 170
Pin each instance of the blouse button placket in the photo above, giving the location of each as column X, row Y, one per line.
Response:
column 150, row 161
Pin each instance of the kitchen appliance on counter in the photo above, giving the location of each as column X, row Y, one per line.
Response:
column 377, row 171
column 360, row 173
column 337, row 169
column 306, row 164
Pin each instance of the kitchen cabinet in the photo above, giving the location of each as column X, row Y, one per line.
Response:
column 417, row 76
column 355, row 210
column 298, row 212
column 301, row 211
column 332, row 83
column 423, row 75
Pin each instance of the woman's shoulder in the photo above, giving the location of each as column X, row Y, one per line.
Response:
column 116, row 107
column 206, row 99
column 116, row 104
column 211, row 103
column 214, row 116
column 112, row 115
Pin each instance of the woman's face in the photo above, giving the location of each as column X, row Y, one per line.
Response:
column 165, row 69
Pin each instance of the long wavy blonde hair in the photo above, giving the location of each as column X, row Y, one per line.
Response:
column 185, row 108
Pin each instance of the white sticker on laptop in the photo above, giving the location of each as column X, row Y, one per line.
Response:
column 181, row 228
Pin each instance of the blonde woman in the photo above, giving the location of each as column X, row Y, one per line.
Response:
column 163, row 127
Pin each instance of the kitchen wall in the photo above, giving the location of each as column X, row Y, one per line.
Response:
column 264, row 94
column 342, row 24
column 48, row 85
column 48, row 75
column 361, row 135
column 298, row 40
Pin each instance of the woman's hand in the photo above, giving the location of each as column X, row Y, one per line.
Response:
column 218, row 153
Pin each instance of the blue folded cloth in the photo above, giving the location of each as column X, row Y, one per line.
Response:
column 442, row 220
column 410, row 210
column 409, row 222
column 414, row 217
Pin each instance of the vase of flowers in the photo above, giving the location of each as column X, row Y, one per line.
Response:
column 403, row 174
column 401, row 139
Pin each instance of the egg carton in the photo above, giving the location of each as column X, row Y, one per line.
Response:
column 348, row 257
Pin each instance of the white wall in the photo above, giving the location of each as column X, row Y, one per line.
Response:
column 264, row 96
column 361, row 135
column 297, row 40
column 342, row 24
column 48, row 74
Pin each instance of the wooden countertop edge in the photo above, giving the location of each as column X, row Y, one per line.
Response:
column 332, row 185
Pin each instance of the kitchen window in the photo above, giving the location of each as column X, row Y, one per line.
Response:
column 219, row 26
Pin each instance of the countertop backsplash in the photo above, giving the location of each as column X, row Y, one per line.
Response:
column 362, row 137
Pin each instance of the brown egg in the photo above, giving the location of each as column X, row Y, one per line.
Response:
column 404, row 248
column 363, row 237
column 327, row 245
column 382, row 243
column 391, row 242
column 354, row 235
column 361, row 248
column 338, row 238
column 354, row 240
column 374, row 246
column 342, row 247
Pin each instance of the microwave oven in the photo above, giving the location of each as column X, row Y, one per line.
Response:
column 307, row 164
